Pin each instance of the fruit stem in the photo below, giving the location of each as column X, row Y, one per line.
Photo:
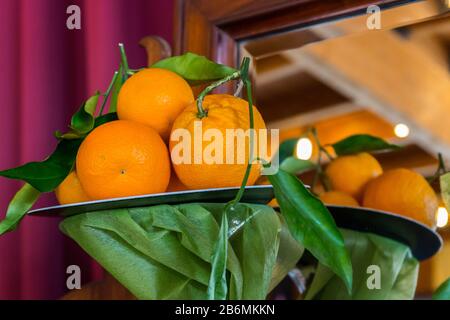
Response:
column 239, row 88
column 248, row 85
column 324, row 150
column 441, row 163
column 320, row 175
column 124, row 59
column 108, row 91
column 133, row 71
column 202, row 112
column 439, row 171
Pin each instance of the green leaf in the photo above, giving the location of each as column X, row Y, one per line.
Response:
column 18, row 207
column 68, row 135
column 165, row 252
column 105, row 118
column 83, row 120
column 384, row 263
column 287, row 149
column 289, row 253
column 195, row 69
column 117, row 85
column 445, row 189
column 443, row 292
column 217, row 287
column 361, row 143
column 45, row 176
column 311, row 224
column 296, row 166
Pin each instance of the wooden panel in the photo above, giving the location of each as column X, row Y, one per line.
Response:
column 296, row 93
column 392, row 18
column 297, row 16
column 268, row 46
column 193, row 31
column 222, row 11
column 204, row 26
column 411, row 156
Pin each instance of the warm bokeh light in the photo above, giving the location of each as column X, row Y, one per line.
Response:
column 401, row 130
column 304, row 149
column 441, row 217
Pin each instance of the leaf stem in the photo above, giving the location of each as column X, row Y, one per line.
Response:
column 108, row 91
column 202, row 112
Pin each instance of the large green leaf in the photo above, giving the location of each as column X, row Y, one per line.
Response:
column 443, row 292
column 361, row 143
column 296, row 166
column 195, row 69
column 445, row 189
column 311, row 224
column 257, row 246
column 165, row 252
column 45, row 176
column 217, row 287
column 372, row 256
column 289, row 253
column 18, row 207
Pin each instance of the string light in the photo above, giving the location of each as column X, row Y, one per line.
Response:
column 304, row 149
column 441, row 217
column 401, row 130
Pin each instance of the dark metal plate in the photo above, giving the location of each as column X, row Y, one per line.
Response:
column 423, row 241
column 253, row 194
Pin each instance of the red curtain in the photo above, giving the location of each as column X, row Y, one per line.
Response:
column 46, row 71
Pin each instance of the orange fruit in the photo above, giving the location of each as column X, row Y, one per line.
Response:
column 273, row 203
column 404, row 192
column 338, row 198
column 175, row 184
column 70, row 190
column 223, row 112
column 123, row 158
column 154, row 97
column 351, row 173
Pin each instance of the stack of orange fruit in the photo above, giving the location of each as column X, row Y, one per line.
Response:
column 130, row 156
column 359, row 180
